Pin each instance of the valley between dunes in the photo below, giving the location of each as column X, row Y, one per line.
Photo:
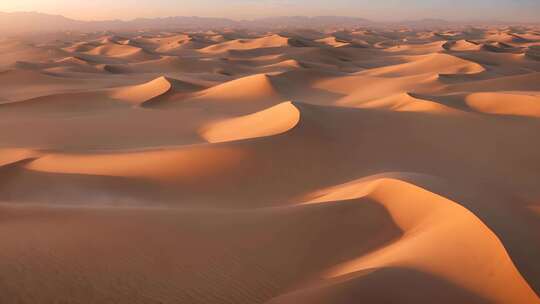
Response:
column 292, row 167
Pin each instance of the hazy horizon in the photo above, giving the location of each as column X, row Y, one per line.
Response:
column 385, row 10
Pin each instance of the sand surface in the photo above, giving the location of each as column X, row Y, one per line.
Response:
column 337, row 167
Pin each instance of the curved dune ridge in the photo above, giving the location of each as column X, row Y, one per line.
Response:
column 251, row 89
column 144, row 92
column 333, row 42
column 114, row 50
column 60, row 104
column 10, row 156
column 272, row 121
column 335, row 166
column 501, row 47
column 290, row 64
column 408, row 102
column 254, row 92
column 271, row 41
column 462, row 45
column 433, row 63
column 505, row 103
column 457, row 241
column 499, row 103
column 259, row 83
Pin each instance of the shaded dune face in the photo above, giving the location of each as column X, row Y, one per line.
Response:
column 376, row 166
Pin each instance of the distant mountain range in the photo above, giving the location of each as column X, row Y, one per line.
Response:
column 30, row 22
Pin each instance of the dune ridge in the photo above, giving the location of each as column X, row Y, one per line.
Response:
column 275, row 120
column 417, row 222
column 144, row 92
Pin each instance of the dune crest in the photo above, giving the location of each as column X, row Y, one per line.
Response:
column 447, row 228
column 272, row 121
column 140, row 93
column 9, row 156
column 438, row 63
column 408, row 102
column 260, row 84
column 462, row 45
column 505, row 103
column 271, row 41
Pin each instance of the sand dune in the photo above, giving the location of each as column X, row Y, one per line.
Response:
column 454, row 224
column 272, row 41
column 61, row 104
column 462, row 45
column 249, row 87
column 144, row 92
column 333, row 42
column 272, row 121
column 500, row 103
column 119, row 50
column 524, row 82
column 433, row 63
column 10, row 156
column 373, row 165
column 251, row 93
column 407, row 102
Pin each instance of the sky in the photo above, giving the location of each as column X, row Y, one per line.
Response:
column 377, row 10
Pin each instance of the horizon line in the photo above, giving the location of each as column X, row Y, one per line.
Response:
column 382, row 21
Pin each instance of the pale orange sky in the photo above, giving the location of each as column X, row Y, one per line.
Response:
column 516, row 10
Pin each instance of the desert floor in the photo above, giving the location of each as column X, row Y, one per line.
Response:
column 299, row 167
